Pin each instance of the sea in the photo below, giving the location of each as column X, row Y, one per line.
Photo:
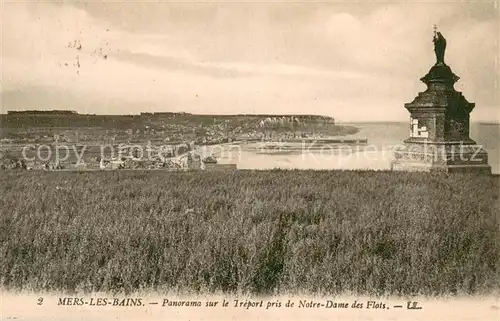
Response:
column 377, row 154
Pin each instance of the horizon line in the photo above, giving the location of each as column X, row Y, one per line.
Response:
column 145, row 113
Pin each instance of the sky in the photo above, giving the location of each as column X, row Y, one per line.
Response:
column 355, row 61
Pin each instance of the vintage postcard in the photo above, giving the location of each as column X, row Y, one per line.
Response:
column 249, row 160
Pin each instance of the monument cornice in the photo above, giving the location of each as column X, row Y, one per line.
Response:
column 426, row 108
column 440, row 99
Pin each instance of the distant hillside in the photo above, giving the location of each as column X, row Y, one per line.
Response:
column 37, row 126
column 67, row 118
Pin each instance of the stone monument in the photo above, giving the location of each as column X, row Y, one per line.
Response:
column 439, row 125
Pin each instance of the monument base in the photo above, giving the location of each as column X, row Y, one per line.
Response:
column 445, row 157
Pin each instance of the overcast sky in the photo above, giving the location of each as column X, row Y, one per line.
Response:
column 354, row 61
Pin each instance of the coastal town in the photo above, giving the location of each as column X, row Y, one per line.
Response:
column 66, row 140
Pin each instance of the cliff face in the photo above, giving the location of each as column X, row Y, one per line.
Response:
column 295, row 121
column 62, row 118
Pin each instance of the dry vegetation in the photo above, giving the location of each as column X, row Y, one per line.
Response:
column 268, row 232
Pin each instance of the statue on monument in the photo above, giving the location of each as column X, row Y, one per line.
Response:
column 439, row 46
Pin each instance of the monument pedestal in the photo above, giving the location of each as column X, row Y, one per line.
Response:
column 439, row 128
column 448, row 158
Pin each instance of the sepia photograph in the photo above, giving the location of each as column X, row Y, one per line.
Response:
column 249, row 160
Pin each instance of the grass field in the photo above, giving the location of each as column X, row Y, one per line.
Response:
column 258, row 232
